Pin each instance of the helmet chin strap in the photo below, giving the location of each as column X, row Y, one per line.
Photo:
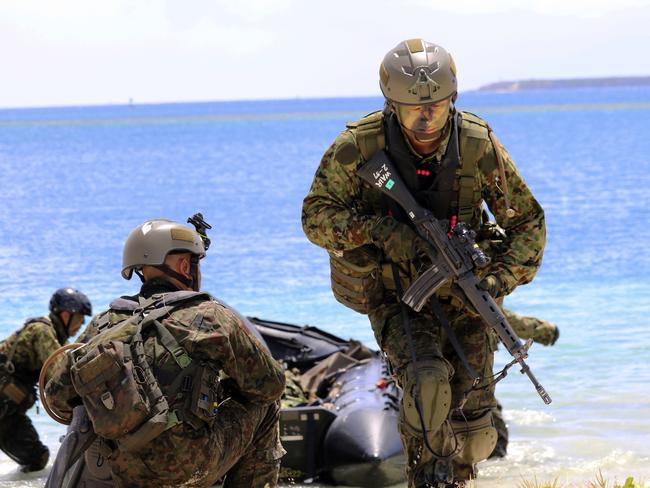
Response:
column 189, row 282
column 192, row 282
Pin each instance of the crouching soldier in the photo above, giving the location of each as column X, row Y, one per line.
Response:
column 176, row 388
column 22, row 355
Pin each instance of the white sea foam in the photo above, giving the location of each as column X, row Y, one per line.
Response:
column 528, row 417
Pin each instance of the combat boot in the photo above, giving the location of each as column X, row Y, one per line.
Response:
column 38, row 463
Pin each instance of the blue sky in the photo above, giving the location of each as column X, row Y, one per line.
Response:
column 75, row 52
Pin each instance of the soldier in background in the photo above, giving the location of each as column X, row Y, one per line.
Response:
column 211, row 387
column 541, row 331
column 22, row 355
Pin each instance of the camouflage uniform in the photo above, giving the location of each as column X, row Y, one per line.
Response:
column 242, row 443
column 541, row 331
column 341, row 211
column 34, row 343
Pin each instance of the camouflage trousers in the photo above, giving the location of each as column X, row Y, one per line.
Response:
column 243, row 445
column 431, row 344
column 19, row 440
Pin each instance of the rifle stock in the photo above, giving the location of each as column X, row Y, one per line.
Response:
column 455, row 258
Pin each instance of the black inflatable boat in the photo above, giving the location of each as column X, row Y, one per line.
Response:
column 346, row 433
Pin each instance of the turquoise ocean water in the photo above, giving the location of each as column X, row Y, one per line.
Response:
column 75, row 181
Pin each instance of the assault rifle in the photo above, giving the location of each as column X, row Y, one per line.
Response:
column 454, row 257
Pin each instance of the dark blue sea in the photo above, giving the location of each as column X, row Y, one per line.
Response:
column 75, row 181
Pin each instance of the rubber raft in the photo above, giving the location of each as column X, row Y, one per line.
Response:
column 346, row 433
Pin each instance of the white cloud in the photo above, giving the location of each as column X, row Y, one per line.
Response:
column 574, row 8
column 255, row 10
column 91, row 51
column 86, row 21
column 207, row 34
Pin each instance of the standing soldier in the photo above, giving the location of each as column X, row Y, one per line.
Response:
column 22, row 355
column 452, row 162
column 178, row 390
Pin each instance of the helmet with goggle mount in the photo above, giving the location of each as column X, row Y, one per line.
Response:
column 417, row 72
column 150, row 243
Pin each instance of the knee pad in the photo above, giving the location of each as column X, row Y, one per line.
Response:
column 476, row 438
column 428, row 381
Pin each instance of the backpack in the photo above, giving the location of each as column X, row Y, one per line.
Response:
column 119, row 389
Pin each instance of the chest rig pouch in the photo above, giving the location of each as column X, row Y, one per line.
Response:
column 118, row 386
column 356, row 278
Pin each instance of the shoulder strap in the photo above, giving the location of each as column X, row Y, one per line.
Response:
column 370, row 134
column 163, row 306
column 467, row 198
column 502, row 172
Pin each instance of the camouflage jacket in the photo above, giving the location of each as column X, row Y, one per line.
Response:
column 208, row 331
column 340, row 210
column 541, row 331
column 39, row 338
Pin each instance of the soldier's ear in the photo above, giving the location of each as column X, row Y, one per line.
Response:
column 64, row 315
column 184, row 265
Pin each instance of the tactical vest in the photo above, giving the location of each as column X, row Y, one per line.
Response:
column 454, row 197
column 463, row 202
column 130, row 402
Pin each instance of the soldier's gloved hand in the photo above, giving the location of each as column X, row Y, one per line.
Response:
column 546, row 333
column 398, row 241
column 492, row 285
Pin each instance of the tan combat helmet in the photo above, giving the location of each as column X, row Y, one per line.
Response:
column 417, row 72
column 150, row 243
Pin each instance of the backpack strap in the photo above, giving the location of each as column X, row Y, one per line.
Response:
column 370, row 134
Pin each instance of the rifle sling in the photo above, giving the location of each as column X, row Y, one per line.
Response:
column 442, row 318
column 451, row 335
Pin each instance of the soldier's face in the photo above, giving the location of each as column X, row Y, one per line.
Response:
column 424, row 122
column 76, row 321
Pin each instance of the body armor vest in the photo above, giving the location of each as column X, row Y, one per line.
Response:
column 450, row 193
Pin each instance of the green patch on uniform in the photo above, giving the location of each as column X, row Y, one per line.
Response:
column 390, row 184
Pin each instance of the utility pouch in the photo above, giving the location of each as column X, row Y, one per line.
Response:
column 12, row 391
column 356, row 279
column 206, row 393
column 111, row 388
column 477, row 438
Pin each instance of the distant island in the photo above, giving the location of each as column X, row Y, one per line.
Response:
column 614, row 81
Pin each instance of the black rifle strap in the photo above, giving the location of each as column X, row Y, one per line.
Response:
column 406, row 322
column 437, row 310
